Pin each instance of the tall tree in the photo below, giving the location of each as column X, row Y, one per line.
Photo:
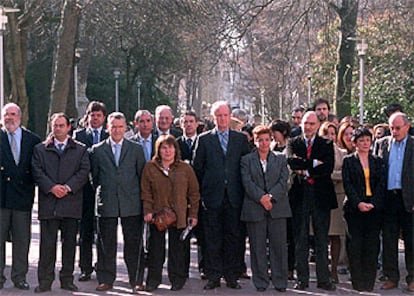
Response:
column 348, row 14
column 65, row 58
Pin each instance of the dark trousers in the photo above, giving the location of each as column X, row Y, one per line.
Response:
column 222, row 240
column 107, row 247
column 396, row 218
column 291, row 245
column 362, row 246
column 199, row 234
column 320, row 222
column 87, row 230
column 18, row 223
column 177, row 252
column 48, row 241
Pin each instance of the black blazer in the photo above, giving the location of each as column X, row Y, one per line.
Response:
column 173, row 132
column 354, row 182
column 217, row 172
column 17, row 185
column 85, row 136
column 322, row 149
column 186, row 152
column 382, row 149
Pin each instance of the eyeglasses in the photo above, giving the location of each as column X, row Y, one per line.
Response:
column 397, row 128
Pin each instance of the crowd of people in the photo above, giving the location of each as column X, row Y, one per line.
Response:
column 293, row 189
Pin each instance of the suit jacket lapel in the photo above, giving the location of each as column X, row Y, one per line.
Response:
column 216, row 142
column 24, row 144
column 407, row 153
column 124, row 151
column 6, row 144
column 108, row 151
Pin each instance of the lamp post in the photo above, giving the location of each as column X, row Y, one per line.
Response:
column 3, row 22
column 139, row 93
column 362, row 47
column 262, row 102
column 117, row 73
column 309, row 76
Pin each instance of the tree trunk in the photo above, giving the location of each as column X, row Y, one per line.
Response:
column 17, row 47
column 62, row 80
column 348, row 13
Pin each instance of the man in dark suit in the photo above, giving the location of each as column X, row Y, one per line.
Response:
column 297, row 114
column 186, row 142
column 93, row 133
column 397, row 151
column 117, row 164
column 163, row 121
column 60, row 168
column 312, row 196
column 217, row 165
column 144, row 124
column 17, row 193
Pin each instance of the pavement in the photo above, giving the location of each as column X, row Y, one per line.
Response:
column 194, row 285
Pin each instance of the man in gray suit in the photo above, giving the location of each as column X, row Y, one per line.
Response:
column 117, row 164
column 397, row 151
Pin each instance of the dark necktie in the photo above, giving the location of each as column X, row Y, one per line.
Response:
column 60, row 148
column 311, row 181
column 189, row 144
column 95, row 136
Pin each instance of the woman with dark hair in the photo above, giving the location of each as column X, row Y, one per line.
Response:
column 281, row 133
column 337, row 226
column 364, row 182
column 265, row 210
column 167, row 181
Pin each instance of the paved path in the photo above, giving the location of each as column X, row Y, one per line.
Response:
column 194, row 285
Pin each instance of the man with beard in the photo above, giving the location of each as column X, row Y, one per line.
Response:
column 17, row 193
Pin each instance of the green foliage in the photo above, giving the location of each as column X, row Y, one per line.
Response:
column 389, row 68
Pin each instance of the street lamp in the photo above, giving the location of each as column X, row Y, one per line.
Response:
column 262, row 101
column 139, row 92
column 117, row 73
column 362, row 47
column 3, row 22
column 309, row 76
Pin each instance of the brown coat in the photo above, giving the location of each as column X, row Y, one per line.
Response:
column 179, row 190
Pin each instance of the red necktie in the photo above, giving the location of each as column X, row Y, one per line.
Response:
column 311, row 181
column 309, row 149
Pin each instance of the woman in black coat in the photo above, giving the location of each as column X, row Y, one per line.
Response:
column 364, row 183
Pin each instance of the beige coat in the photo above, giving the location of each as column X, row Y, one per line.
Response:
column 178, row 190
column 337, row 226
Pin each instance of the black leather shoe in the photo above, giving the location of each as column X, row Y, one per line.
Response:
column 150, row 288
column 233, row 285
column 41, row 289
column 69, row 287
column 22, row 285
column 261, row 289
column 211, row 285
column 176, row 287
column 300, row 286
column 327, row 286
column 84, row 277
column 281, row 289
